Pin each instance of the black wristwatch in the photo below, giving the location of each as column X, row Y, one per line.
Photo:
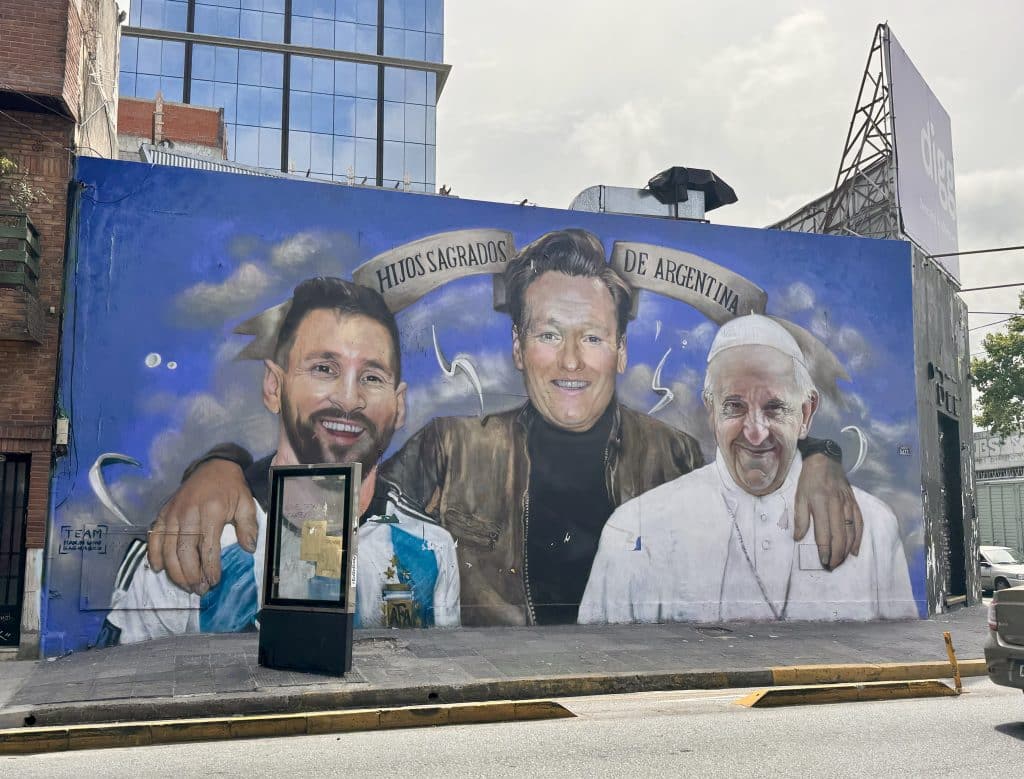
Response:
column 825, row 446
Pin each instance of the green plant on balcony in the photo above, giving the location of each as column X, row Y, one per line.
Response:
column 16, row 191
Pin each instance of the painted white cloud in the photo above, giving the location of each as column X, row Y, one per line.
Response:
column 207, row 304
column 795, row 298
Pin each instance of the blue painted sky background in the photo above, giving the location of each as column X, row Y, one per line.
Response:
column 169, row 261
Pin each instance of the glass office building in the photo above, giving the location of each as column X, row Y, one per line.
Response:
column 342, row 89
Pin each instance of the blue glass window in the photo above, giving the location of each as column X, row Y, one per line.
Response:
column 344, row 155
column 299, row 110
column 416, row 86
column 321, row 153
column 126, row 84
column 344, row 115
column 172, row 89
column 298, row 151
column 394, row 121
column 226, row 96
column 415, row 43
column 270, row 148
column 435, row 16
column 394, row 84
column 273, row 28
column 248, row 111
column 431, row 172
column 202, row 93
column 366, row 81
column 302, row 73
column 323, row 34
column 366, row 159
column 366, row 11
column 366, row 118
column 146, row 86
column 249, row 67
column 415, row 15
column 302, row 31
column 366, row 39
column 323, row 76
column 129, row 53
column 344, row 36
column 247, row 150
column 203, row 58
column 345, row 78
column 431, row 124
column 172, row 60
column 393, row 160
column 322, row 113
column 226, row 68
column 393, row 13
column 415, row 161
column 434, row 48
column 415, row 123
column 394, row 42
column 270, row 107
column 149, row 56
column 271, row 69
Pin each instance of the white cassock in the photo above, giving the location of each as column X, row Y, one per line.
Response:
column 700, row 548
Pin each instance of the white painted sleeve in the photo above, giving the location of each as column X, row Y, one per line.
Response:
column 153, row 607
column 447, row 603
column 610, row 591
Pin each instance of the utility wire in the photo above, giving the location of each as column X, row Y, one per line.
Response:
column 994, row 286
column 992, row 324
column 976, row 251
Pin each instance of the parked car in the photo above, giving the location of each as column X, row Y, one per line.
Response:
column 1004, row 649
column 1000, row 567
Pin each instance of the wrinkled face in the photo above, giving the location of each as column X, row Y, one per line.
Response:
column 569, row 352
column 758, row 415
column 338, row 398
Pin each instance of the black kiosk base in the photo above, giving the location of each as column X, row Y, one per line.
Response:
column 304, row 640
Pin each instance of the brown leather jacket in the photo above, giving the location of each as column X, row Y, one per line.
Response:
column 472, row 474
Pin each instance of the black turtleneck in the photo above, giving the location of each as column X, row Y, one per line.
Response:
column 569, row 504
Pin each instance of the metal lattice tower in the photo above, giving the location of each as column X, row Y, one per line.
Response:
column 863, row 201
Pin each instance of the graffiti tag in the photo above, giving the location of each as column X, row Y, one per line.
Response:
column 91, row 538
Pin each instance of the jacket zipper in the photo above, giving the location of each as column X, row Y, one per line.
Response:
column 531, row 616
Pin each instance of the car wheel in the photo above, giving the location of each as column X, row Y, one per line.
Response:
column 1001, row 584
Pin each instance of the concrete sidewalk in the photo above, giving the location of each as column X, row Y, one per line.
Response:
column 209, row 675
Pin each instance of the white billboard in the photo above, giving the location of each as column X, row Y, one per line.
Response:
column 924, row 157
column 992, row 452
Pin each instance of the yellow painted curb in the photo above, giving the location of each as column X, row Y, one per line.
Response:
column 845, row 693
column 873, row 672
column 23, row 741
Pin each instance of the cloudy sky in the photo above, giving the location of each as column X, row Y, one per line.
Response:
column 547, row 98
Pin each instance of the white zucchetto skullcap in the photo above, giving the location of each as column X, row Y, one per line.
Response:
column 755, row 330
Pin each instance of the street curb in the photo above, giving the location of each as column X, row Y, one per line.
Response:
column 24, row 741
column 363, row 696
column 846, row 693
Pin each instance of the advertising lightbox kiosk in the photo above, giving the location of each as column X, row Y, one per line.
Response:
column 309, row 579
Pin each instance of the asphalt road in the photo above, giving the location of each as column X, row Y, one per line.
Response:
column 696, row 733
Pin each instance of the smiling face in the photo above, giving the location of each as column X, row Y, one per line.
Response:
column 758, row 414
column 338, row 398
column 570, row 350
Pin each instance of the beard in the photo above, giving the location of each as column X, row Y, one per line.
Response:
column 312, row 445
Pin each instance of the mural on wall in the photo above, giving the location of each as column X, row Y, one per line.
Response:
column 560, row 416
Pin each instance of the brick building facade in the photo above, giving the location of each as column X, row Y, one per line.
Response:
column 58, row 62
